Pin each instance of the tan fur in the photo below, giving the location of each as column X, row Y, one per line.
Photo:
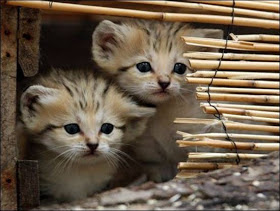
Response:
column 117, row 48
column 68, row 170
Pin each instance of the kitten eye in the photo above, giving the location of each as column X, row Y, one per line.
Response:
column 180, row 68
column 72, row 128
column 144, row 67
column 107, row 128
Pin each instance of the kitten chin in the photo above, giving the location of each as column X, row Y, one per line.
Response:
column 74, row 123
column 146, row 59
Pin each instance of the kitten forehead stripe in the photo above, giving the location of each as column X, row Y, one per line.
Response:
column 48, row 128
column 68, row 90
column 125, row 68
column 106, row 88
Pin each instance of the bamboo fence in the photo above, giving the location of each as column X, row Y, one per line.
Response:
column 248, row 80
column 268, row 18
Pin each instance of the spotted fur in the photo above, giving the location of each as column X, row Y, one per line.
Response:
column 118, row 47
column 69, row 169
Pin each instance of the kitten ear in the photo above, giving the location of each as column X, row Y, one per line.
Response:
column 105, row 39
column 36, row 95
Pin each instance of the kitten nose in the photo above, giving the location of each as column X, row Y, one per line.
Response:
column 163, row 84
column 92, row 147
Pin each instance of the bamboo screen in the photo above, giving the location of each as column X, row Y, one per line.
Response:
column 241, row 82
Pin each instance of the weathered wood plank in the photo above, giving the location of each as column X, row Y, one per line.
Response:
column 28, row 42
column 9, row 18
column 28, row 184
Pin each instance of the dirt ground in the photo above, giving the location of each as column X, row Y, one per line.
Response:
column 254, row 186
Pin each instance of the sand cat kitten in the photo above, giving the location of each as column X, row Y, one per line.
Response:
column 146, row 59
column 75, row 123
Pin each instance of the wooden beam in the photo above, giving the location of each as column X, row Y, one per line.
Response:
column 9, row 24
column 29, row 37
column 28, row 184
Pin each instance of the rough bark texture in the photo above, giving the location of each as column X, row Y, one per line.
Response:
column 28, row 184
column 253, row 186
column 29, row 36
column 9, row 17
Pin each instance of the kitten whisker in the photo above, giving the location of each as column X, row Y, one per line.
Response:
column 124, row 154
column 119, row 154
column 186, row 90
column 111, row 161
column 63, row 153
column 51, row 149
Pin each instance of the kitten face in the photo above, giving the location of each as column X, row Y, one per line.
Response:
column 78, row 115
column 145, row 57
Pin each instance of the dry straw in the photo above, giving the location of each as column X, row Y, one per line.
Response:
column 235, row 75
column 97, row 10
column 252, row 118
column 244, row 4
column 269, row 138
column 198, row 64
column 242, row 106
column 252, row 80
column 229, row 145
column 232, row 56
column 258, row 37
column 236, row 83
column 213, row 8
column 229, row 124
column 212, row 110
column 239, row 90
column 234, row 45
column 266, row 99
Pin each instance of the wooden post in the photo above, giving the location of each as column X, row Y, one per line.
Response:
column 28, row 184
column 28, row 42
column 20, row 35
column 28, row 59
column 9, row 25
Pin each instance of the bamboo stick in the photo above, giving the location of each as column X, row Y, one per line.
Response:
column 187, row 136
column 232, row 56
column 203, row 166
column 230, row 145
column 258, row 37
column 232, row 82
column 239, row 90
column 250, row 107
column 234, row 45
column 253, row 118
column 234, row 65
column 234, row 75
column 210, row 110
column 186, row 175
column 269, row 99
column 201, row 155
column 229, row 124
column 196, row 121
column 271, row 2
column 216, row 19
column 243, row 4
column 213, row 8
